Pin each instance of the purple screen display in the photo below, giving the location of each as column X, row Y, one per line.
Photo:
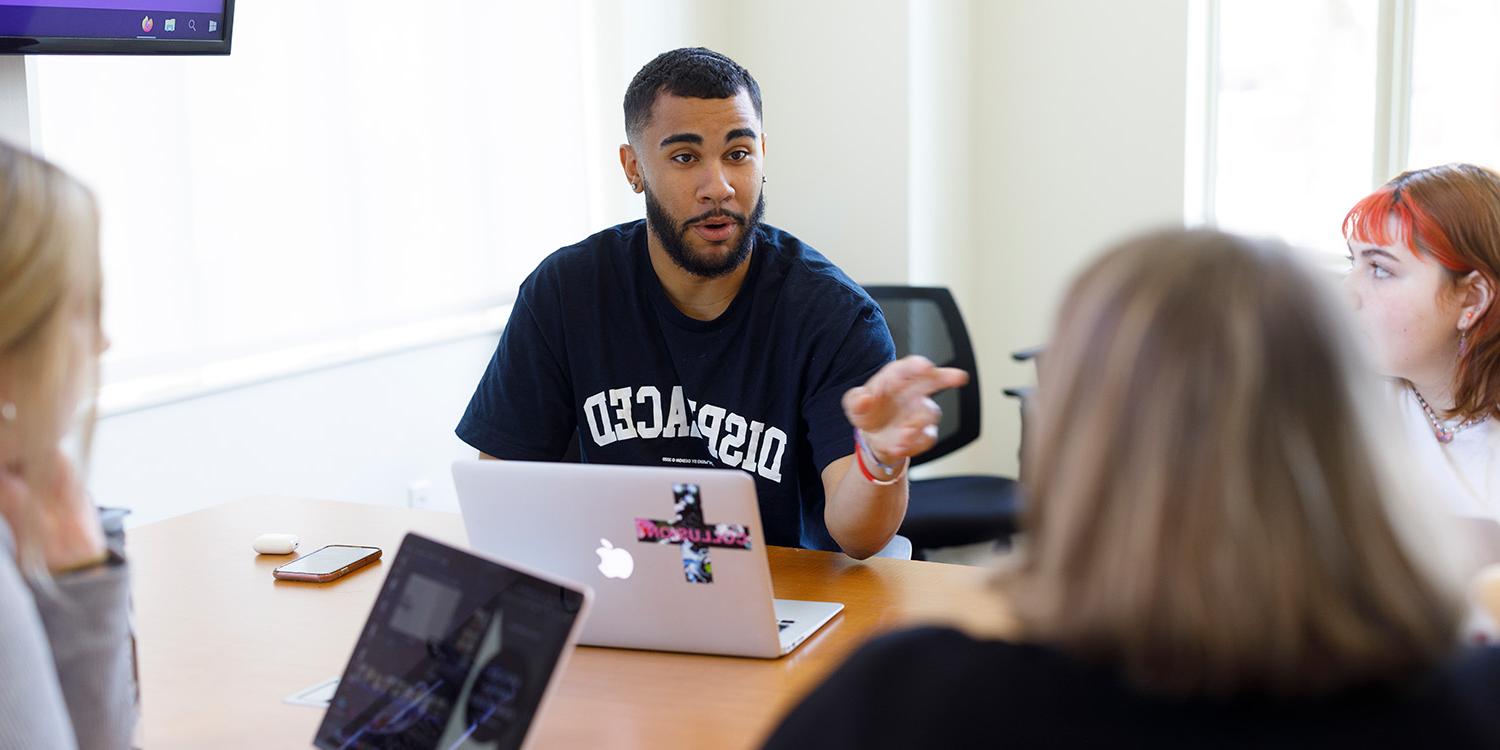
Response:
column 162, row 20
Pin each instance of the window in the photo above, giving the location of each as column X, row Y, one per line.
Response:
column 343, row 173
column 1312, row 104
column 1296, row 99
column 1455, row 83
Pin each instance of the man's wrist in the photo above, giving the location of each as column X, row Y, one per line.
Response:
column 872, row 466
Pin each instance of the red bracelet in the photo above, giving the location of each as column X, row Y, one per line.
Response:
column 859, row 458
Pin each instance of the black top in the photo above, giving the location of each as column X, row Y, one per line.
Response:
column 942, row 689
column 595, row 346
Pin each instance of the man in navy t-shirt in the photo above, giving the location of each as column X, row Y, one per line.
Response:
column 701, row 337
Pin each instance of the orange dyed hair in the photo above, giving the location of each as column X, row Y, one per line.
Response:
column 1451, row 213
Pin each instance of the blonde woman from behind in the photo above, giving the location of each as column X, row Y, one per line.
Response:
column 1213, row 553
column 65, row 655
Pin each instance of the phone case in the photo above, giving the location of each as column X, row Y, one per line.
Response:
column 331, row 575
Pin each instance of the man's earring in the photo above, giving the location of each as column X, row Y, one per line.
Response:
column 636, row 186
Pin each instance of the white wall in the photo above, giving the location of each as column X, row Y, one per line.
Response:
column 362, row 432
column 833, row 79
column 940, row 197
column 1079, row 139
column 941, row 153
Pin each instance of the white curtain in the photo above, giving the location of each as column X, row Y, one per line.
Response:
column 352, row 167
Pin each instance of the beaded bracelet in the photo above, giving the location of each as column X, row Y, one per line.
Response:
column 863, row 449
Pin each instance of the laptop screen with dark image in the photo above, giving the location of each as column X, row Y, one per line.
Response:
column 457, row 653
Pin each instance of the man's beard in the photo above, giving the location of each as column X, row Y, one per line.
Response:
column 673, row 236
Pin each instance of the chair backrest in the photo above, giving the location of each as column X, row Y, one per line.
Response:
column 926, row 321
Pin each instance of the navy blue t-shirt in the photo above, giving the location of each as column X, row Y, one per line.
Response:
column 595, row 347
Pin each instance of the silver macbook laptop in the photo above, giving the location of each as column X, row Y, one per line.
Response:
column 676, row 557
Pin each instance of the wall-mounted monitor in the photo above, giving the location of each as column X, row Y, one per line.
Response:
column 116, row 27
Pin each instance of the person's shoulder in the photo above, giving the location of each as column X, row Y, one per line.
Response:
column 936, row 650
column 1477, row 670
column 602, row 250
column 597, row 259
column 809, row 271
column 1456, row 701
column 930, row 686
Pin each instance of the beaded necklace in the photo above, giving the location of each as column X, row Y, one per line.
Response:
column 1442, row 431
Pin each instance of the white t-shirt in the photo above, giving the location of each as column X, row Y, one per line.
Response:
column 1464, row 475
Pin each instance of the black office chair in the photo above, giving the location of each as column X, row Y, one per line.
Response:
column 957, row 510
column 1023, row 394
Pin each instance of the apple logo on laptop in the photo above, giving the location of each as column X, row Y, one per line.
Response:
column 614, row 562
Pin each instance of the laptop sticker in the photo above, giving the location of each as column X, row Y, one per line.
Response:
column 688, row 530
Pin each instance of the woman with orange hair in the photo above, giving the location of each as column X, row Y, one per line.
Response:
column 1425, row 251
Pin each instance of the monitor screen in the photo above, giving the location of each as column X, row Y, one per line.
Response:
column 122, row 27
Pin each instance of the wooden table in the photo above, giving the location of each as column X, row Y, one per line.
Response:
column 221, row 642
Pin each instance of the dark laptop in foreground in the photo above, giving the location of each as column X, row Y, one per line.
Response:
column 459, row 651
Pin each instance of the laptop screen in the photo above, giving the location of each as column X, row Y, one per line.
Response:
column 456, row 653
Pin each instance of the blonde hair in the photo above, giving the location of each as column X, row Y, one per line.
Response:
column 49, row 264
column 1205, row 508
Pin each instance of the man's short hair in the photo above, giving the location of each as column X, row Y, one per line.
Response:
column 691, row 72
